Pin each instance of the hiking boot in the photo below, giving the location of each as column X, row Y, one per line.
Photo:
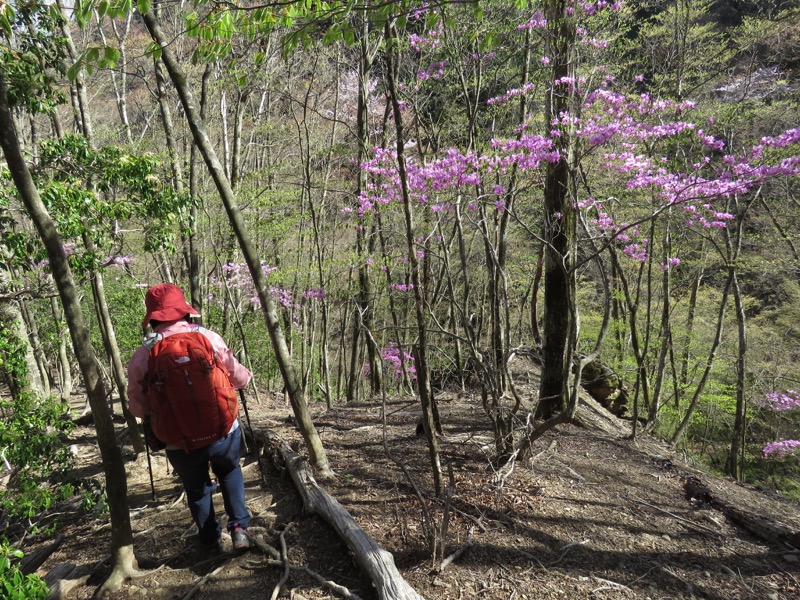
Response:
column 240, row 539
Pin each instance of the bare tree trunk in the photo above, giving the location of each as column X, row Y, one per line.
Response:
column 560, row 224
column 12, row 320
column 364, row 306
column 709, row 361
column 666, row 337
column 112, row 350
column 284, row 359
column 39, row 379
column 64, row 368
column 733, row 242
column 195, row 287
column 82, row 108
column 120, row 87
column 683, row 380
column 123, row 560
column 421, row 347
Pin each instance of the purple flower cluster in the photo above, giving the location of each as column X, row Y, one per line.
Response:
column 396, row 358
column 789, row 400
column 781, row 449
column 314, row 293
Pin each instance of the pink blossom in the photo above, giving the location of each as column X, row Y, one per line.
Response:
column 781, row 449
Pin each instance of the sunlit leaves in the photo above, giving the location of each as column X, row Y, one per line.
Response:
column 6, row 18
column 103, row 57
column 33, row 62
column 89, row 190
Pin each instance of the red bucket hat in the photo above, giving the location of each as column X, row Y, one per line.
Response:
column 166, row 302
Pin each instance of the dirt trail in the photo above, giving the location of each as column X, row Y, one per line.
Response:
column 592, row 516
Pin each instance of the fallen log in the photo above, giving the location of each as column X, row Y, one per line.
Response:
column 61, row 581
column 34, row 560
column 762, row 526
column 376, row 562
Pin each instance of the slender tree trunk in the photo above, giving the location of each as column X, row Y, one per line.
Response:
column 82, row 104
column 64, row 367
column 12, row 320
column 120, row 87
column 421, row 347
column 686, row 352
column 39, row 378
column 363, row 320
column 712, row 354
column 733, row 241
column 217, row 171
column 123, row 560
column 112, row 350
column 666, row 337
column 194, row 256
column 735, row 461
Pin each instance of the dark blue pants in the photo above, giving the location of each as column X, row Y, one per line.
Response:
column 192, row 468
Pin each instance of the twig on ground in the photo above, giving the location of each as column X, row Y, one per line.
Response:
column 208, row 577
column 688, row 584
column 566, row 549
column 612, row 585
column 265, row 548
column 180, row 498
column 285, row 556
column 331, row 585
column 458, row 553
column 686, row 522
column 550, row 448
column 570, row 470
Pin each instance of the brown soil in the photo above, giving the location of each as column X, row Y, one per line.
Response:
column 591, row 516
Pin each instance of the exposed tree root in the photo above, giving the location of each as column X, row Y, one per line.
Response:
column 125, row 568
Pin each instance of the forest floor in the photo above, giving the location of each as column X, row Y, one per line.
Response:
column 592, row 515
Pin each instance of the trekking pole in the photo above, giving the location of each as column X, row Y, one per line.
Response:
column 253, row 433
column 150, row 470
column 247, row 416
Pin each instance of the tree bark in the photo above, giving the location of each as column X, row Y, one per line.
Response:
column 429, row 419
column 64, row 368
column 560, row 225
column 112, row 350
column 11, row 319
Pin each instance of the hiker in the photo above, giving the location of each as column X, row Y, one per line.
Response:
column 194, row 413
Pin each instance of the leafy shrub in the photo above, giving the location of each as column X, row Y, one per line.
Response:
column 14, row 585
column 31, row 445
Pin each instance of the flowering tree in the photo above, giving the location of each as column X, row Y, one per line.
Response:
column 785, row 402
column 625, row 140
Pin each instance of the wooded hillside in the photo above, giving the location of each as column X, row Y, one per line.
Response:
column 371, row 201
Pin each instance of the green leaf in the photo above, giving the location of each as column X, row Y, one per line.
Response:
column 143, row 6
column 331, row 36
column 72, row 72
column 153, row 51
column 6, row 18
column 111, row 56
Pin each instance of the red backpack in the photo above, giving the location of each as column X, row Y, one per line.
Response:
column 192, row 401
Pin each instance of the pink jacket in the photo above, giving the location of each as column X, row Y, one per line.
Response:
column 139, row 401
